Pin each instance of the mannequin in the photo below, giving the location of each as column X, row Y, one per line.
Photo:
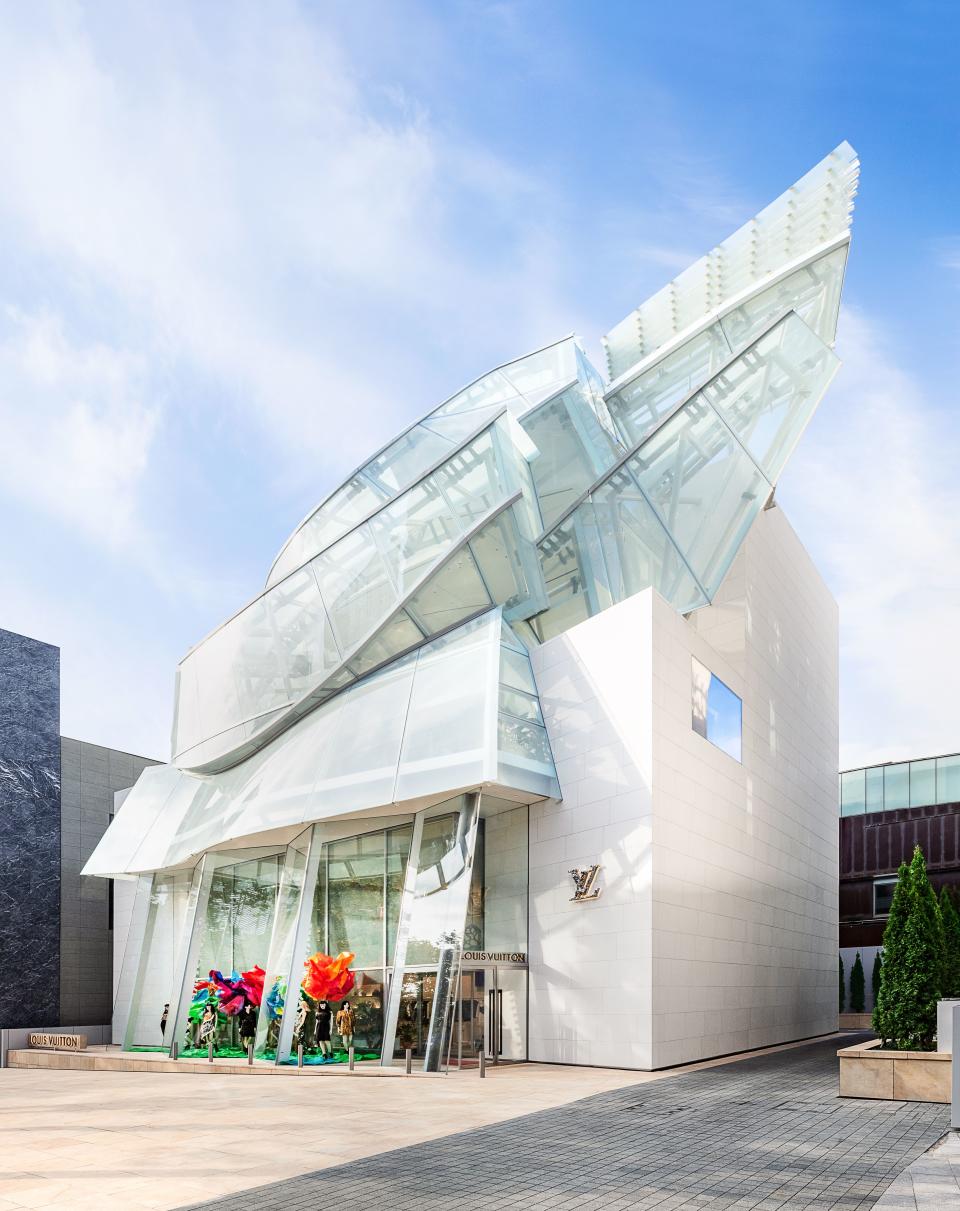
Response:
column 300, row 1025
column 322, row 1034
column 208, row 1027
column 345, row 1021
column 163, row 1019
column 248, row 1025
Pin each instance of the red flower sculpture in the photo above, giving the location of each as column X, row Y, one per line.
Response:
column 237, row 992
column 328, row 979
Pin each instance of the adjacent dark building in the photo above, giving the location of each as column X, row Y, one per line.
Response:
column 885, row 810
column 56, row 800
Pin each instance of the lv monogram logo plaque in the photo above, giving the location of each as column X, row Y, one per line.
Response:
column 583, row 883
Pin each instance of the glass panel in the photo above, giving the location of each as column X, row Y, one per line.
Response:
column 398, row 853
column 502, row 558
column 525, row 740
column 515, row 670
column 769, row 393
column 415, row 532
column 814, row 210
column 874, row 781
column 523, row 706
column 406, row 459
column 152, row 1008
column 281, row 946
column 853, row 793
column 572, row 452
column 883, row 890
column 896, row 786
column 539, row 375
column 640, row 405
column 717, row 712
column 948, row 779
column 813, row 293
column 573, row 568
column 399, row 635
column 704, row 486
column 471, row 481
column 346, row 508
column 443, row 874
column 266, row 657
column 923, row 783
column 504, row 880
column 357, row 588
column 454, row 593
column 638, row 552
column 490, row 391
column 355, row 881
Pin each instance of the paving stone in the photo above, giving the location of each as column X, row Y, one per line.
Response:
column 764, row 1133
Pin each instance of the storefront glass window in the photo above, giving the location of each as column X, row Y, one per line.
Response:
column 852, row 793
column 923, row 783
column 948, row 779
column 355, row 874
column 874, row 789
column 896, row 786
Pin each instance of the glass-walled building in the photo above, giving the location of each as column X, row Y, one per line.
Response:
column 899, row 784
column 886, row 810
column 428, row 785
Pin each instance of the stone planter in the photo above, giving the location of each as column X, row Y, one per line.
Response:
column 896, row 1076
column 856, row 1021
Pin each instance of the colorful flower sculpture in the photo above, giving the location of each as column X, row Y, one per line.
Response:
column 204, row 991
column 238, row 991
column 275, row 999
column 326, row 978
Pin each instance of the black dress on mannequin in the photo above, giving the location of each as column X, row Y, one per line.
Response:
column 322, row 1029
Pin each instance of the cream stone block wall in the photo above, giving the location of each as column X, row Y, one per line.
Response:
column 716, row 929
column 590, row 963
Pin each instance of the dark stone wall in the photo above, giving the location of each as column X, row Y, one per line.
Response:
column 29, row 831
column 91, row 776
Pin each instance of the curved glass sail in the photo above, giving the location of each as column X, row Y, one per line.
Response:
column 456, row 543
column 675, row 510
column 517, row 387
column 807, row 217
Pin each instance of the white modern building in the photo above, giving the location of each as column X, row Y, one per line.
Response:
column 529, row 744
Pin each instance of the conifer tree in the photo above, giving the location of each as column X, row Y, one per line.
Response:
column 876, row 975
column 857, row 986
column 905, row 1015
column 843, row 987
column 951, row 937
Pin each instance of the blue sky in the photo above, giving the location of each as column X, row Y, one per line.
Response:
column 244, row 244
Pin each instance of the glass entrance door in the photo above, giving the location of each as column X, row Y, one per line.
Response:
column 491, row 1017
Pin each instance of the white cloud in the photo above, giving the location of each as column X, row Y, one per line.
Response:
column 874, row 494
column 76, row 431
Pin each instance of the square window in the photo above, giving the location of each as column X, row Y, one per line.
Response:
column 883, row 890
column 717, row 711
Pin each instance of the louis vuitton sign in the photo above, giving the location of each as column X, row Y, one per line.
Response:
column 585, row 886
column 61, row 1042
column 494, row 956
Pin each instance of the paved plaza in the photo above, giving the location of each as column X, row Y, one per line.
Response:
column 763, row 1131
column 767, row 1132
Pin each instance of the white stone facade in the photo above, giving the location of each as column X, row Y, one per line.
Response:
column 716, row 928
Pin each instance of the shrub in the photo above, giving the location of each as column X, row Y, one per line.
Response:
column 905, row 1015
column 858, row 990
column 843, row 987
column 951, row 937
column 876, row 974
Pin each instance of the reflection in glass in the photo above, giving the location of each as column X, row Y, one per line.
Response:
column 852, row 793
column 923, row 783
column 896, row 786
column 717, row 711
column 948, row 779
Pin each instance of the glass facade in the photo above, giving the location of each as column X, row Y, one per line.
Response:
column 878, row 788
column 370, row 930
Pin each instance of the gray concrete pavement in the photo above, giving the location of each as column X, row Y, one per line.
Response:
column 767, row 1132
